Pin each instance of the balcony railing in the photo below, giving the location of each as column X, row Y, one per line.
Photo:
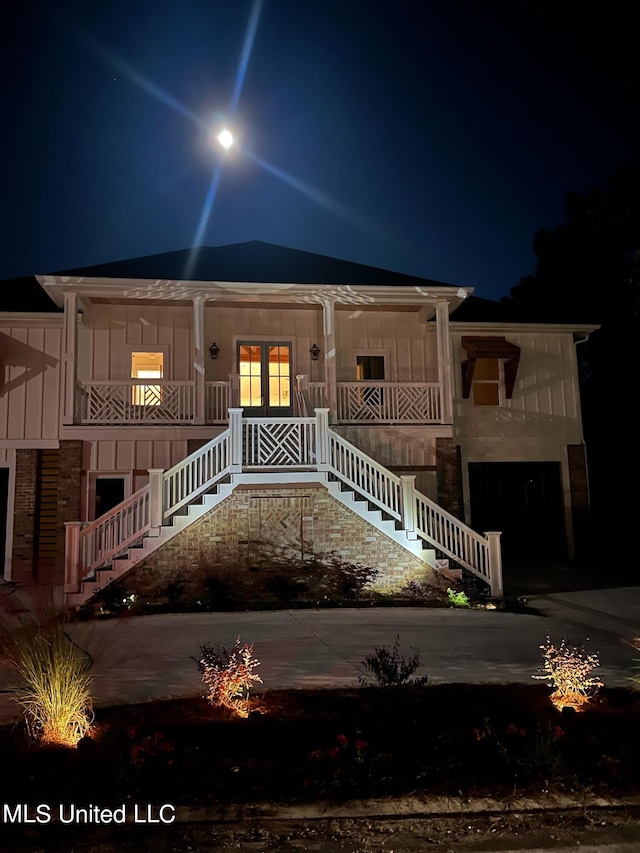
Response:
column 389, row 402
column 134, row 401
column 161, row 401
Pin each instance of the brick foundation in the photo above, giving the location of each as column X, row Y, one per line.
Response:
column 235, row 542
column 449, row 471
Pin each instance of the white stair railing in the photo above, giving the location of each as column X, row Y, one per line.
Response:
column 365, row 475
column 280, row 443
column 195, row 474
column 97, row 543
column 447, row 533
column 111, row 534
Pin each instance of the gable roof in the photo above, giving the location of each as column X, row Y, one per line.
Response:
column 254, row 261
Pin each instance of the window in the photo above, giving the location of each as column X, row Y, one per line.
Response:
column 147, row 365
column 370, row 367
column 486, row 382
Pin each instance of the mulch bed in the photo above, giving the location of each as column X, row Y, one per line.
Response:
column 305, row 745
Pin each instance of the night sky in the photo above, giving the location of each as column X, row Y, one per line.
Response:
column 432, row 138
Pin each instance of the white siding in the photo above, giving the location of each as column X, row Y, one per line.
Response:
column 408, row 344
column 545, row 400
column 225, row 325
column 30, row 382
column 115, row 329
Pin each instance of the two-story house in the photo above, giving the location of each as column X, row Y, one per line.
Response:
column 185, row 409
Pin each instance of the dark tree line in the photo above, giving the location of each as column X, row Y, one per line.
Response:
column 588, row 271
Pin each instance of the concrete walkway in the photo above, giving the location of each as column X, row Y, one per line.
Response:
column 148, row 657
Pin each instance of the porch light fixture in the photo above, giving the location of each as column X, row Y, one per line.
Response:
column 314, row 352
column 214, row 350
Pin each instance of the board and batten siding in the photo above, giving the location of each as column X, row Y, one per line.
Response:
column 30, row 382
column 227, row 325
column 545, row 402
column 113, row 330
column 410, row 345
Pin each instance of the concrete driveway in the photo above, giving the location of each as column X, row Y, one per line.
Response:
column 149, row 657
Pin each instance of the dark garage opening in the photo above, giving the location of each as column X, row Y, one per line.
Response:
column 524, row 501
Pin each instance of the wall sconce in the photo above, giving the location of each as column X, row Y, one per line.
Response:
column 214, row 349
column 314, row 352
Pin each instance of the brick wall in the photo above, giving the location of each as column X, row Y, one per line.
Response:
column 69, row 495
column 449, row 471
column 579, row 486
column 24, row 522
column 232, row 540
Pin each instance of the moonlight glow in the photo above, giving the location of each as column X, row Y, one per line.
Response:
column 225, row 138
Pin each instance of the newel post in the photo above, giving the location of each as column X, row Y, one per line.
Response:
column 235, row 440
column 409, row 505
column 495, row 564
column 156, row 508
column 72, row 579
column 322, row 439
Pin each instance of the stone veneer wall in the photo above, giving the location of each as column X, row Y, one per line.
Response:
column 228, row 542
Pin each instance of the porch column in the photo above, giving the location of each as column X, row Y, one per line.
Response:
column 409, row 505
column 330, row 370
column 322, row 440
column 235, row 440
column 156, row 507
column 69, row 356
column 72, row 581
column 445, row 376
column 199, row 391
column 495, row 564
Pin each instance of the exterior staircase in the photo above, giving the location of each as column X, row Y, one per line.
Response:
column 270, row 450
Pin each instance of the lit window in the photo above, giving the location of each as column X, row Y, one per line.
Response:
column 486, row 382
column 147, row 365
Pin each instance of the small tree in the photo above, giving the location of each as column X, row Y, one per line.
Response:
column 391, row 669
column 229, row 675
column 567, row 669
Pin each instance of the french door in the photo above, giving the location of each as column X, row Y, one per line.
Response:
column 265, row 379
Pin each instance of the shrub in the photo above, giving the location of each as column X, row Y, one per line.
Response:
column 57, row 698
column 567, row 669
column 218, row 593
column 391, row 669
column 457, row 599
column 229, row 675
column 174, row 590
column 285, row 589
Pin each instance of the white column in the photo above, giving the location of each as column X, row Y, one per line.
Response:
column 495, row 564
column 445, row 376
column 198, row 360
column 409, row 505
column 69, row 356
column 330, row 355
column 156, row 507
column 72, row 581
column 235, row 440
column 322, row 439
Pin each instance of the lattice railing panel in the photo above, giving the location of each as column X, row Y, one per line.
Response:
column 389, row 402
column 274, row 444
column 134, row 402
